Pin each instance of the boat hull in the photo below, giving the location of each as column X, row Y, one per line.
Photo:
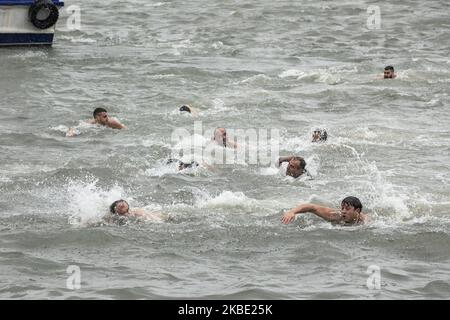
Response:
column 17, row 29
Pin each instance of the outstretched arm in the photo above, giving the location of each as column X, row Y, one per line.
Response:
column 326, row 213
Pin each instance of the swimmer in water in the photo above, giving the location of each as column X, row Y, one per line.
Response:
column 100, row 118
column 296, row 165
column 350, row 213
column 319, row 135
column 220, row 138
column 185, row 108
column 188, row 109
column 121, row 208
column 183, row 165
column 389, row 72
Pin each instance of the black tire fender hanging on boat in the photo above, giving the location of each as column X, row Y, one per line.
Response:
column 50, row 20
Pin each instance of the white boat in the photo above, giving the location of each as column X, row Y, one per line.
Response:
column 28, row 22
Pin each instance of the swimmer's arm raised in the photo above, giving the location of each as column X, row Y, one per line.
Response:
column 284, row 159
column 326, row 213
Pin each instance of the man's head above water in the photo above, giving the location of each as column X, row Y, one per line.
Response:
column 220, row 136
column 319, row 135
column 119, row 207
column 101, row 116
column 351, row 208
column 296, row 167
column 389, row 72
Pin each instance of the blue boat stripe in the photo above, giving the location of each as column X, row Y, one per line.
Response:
column 26, row 3
column 25, row 38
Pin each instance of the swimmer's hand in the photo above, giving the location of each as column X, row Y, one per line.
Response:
column 71, row 132
column 279, row 162
column 288, row 217
column 284, row 159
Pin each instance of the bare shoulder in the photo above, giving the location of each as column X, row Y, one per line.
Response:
column 365, row 218
column 114, row 123
column 138, row 212
column 155, row 216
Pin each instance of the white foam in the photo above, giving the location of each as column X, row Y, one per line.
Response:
column 269, row 171
column 183, row 44
column 77, row 39
column 296, row 144
column 326, row 77
column 382, row 198
column 60, row 128
column 312, row 165
column 224, row 200
column 229, row 201
column 162, row 76
column 434, row 103
column 30, row 54
column 150, row 143
column 217, row 45
column 83, row 126
column 157, row 4
column 292, row 73
column 88, row 204
column 257, row 78
column 220, row 107
column 329, row 76
column 4, row 179
column 24, row 169
column 162, row 169
column 218, row 103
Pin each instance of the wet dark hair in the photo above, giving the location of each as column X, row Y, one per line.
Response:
column 171, row 160
column 112, row 207
column 323, row 135
column 302, row 162
column 389, row 68
column 99, row 110
column 185, row 108
column 353, row 202
column 184, row 165
column 302, row 170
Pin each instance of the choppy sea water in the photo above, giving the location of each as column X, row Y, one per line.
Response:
column 289, row 66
